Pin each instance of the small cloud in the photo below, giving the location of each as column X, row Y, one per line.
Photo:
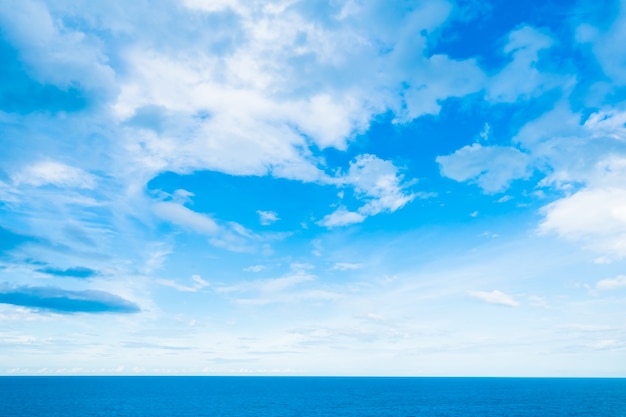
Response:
column 341, row 217
column 301, row 266
column 379, row 184
column 345, row 266
column 54, row 173
column 76, row 272
column 537, row 301
column 254, row 268
column 198, row 284
column 606, row 344
column 473, row 214
column 186, row 218
column 612, row 283
column 274, row 285
column 65, row 301
column 504, row 199
column 267, row 217
column 182, row 196
column 484, row 134
column 493, row 168
column 494, row 297
column 317, row 247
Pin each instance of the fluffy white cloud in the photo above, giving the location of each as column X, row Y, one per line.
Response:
column 341, row 217
column 346, row 266
column 293, row 83
column 186, row 218
column 495, row 297
column 55, row 53
column 267, row 217
column 588, row 159
column 54, row 173
column 491, row 167
column 612, row 283
column 596, row 217
column 376, row 182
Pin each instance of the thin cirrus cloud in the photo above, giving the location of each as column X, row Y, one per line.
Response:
column 612, row 283
column 494, row 297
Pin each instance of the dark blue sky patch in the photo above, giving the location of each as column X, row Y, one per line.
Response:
column 65, row 301
column 75, row 272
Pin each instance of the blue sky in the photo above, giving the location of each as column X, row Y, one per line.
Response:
column 332, row 187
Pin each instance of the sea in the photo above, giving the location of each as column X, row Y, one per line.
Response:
column 310, row 396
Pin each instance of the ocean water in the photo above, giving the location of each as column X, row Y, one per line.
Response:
column 310, row 396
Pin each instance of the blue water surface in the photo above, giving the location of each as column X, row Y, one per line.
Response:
column 311, row 396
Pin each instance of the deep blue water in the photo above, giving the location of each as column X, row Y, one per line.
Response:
column 310, row 396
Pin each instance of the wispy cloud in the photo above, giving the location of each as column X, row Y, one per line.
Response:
column 187, row 218
column 65, row 301
column 346, row 266
column 612, row 283
column 54, row 173
column 267, row 217
column 376, row 182
column 494, row 297
column 254, row 268
column 75, row 272
column 197, row 284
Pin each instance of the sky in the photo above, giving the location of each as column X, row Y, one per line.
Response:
column 313, row 187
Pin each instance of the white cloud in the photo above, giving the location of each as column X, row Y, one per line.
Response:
column 596, row 217
column 612, row 283
column 267, row 217
column 211, row 5
column 586, row 157
column 378, row 183
column 346, row 266
column 537, row 301
column 286, row 289
column 521, row 78
column 494, row 297
column 295, row 82
column 254, row 268
column 54, row 53
column 54, row 173
column 491, row 167
column 341, row 217
column 197, row 285
column 186, row 218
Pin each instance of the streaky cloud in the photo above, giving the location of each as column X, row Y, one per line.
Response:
column 59, row 300
column 75, row 272
column 494, row 297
